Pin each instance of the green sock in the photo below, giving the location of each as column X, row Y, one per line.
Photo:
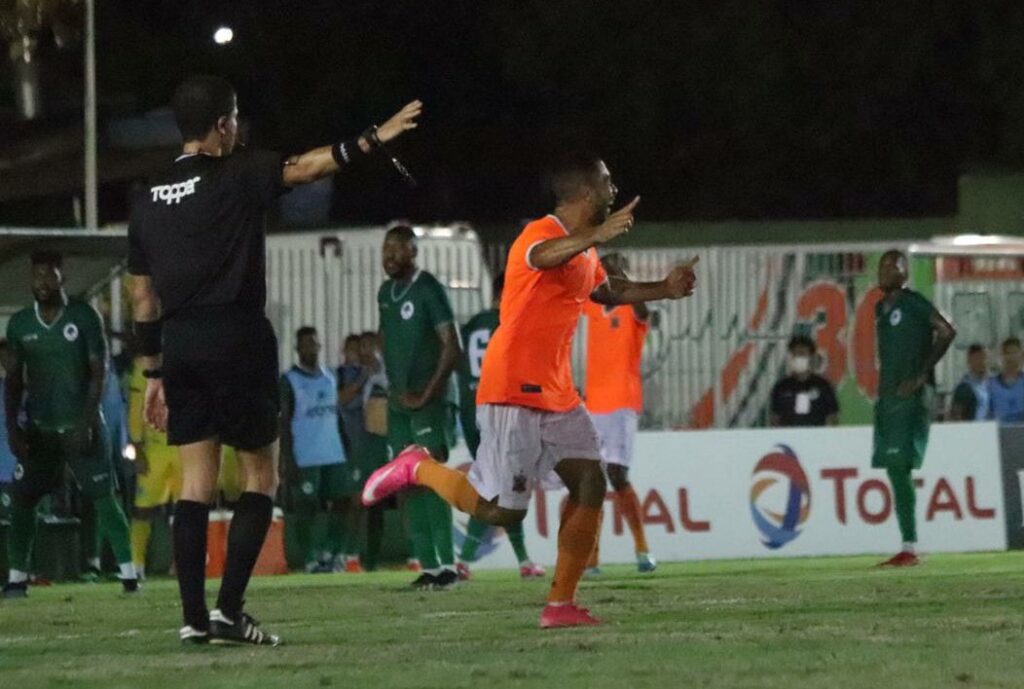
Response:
column 374, row 536
column 905, row 499
column 420, row 504
column 305, row 520
column 112, row 524
column 22, row 533
column 515, row 537
column 336, row 534
column 441, row 522
column 475, row 532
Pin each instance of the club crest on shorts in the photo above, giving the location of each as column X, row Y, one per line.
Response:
column 519, row 483
column 70, row 332
column 407, row 310
column 19, row 471
column 307, row 487
column 895, row 317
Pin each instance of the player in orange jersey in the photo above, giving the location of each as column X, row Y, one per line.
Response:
column 530, row 416
column 614, row 395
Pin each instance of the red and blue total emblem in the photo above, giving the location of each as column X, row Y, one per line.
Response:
column 780, row 497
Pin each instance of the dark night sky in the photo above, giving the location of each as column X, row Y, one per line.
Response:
column 726, row 109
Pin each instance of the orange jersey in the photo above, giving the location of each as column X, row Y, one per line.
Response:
column 527, row 361
column 615, row 343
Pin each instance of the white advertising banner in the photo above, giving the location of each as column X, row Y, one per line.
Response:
column 783, row 492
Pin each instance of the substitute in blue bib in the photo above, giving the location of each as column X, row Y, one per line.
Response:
column 1006, row 390
column 314, row 457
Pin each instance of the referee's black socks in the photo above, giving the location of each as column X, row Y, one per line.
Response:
column 249, row 526
column 190, row 522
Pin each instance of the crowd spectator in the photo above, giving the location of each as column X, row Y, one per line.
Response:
column 971, row 397
column 803, row 398
column 1006, row 389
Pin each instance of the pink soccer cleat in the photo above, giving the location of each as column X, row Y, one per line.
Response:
column 566, row 615
column 529, row 570
column 394, row 476
column 462, row 569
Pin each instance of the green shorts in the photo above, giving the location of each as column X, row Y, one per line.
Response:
column 317, row 485
column 49, row 451
column 433, row 427
column 369, row 453
column 901, row 431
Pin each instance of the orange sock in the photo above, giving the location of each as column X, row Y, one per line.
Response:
column 629, row 503
column 595, row 557
column 450, row 484
column 576, row 538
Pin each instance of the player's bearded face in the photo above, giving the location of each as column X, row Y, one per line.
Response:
column 603, row 193
column 46, row 284
column 397, row 257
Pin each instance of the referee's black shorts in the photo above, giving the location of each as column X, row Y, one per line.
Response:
column 221, row 378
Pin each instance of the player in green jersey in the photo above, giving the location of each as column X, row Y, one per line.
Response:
column 475, row 336
column 58, row 362
column 912, row 338
column 421, row 349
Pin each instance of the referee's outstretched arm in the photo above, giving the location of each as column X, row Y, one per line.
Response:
column 326, row 160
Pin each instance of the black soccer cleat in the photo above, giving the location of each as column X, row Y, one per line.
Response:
column 16, row 590
column 130, row 586
column 424, row 582
column 190, row 636
column 242, row 630
column 447, row 579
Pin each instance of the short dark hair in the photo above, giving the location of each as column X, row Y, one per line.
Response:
column 1011, row 342
column 572, row 174
column 199, row 102
column 305, row 331
column 368, row 333
column 351, row 338
column 498, row 284
column 975, row 348
column 403, row 232
column 802, row 341
column 46, row 257
column 894, row 254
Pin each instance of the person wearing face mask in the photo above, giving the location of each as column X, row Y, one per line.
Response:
column 803, row 398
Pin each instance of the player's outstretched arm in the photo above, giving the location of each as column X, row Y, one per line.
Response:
column 326, row 160
column 678, row 284
column 554, row 252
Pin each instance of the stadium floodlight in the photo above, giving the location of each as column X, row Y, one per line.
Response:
column 223, row 35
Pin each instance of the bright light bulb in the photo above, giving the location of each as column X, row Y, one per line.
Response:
column 223, row 35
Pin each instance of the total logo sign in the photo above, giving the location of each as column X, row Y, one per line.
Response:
column 784, row 493
column 780, row 497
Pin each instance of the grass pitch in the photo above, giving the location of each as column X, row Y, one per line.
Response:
column 956, row 621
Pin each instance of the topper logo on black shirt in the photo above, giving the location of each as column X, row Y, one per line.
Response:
column 174, row 193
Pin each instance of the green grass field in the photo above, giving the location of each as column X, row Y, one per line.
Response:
column 957, row 621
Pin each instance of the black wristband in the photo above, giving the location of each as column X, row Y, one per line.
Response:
column 346, row 152
column 151, row 373
column 149, row 337
column 370, row 135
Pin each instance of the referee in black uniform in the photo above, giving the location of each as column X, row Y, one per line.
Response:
column 197, row 259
